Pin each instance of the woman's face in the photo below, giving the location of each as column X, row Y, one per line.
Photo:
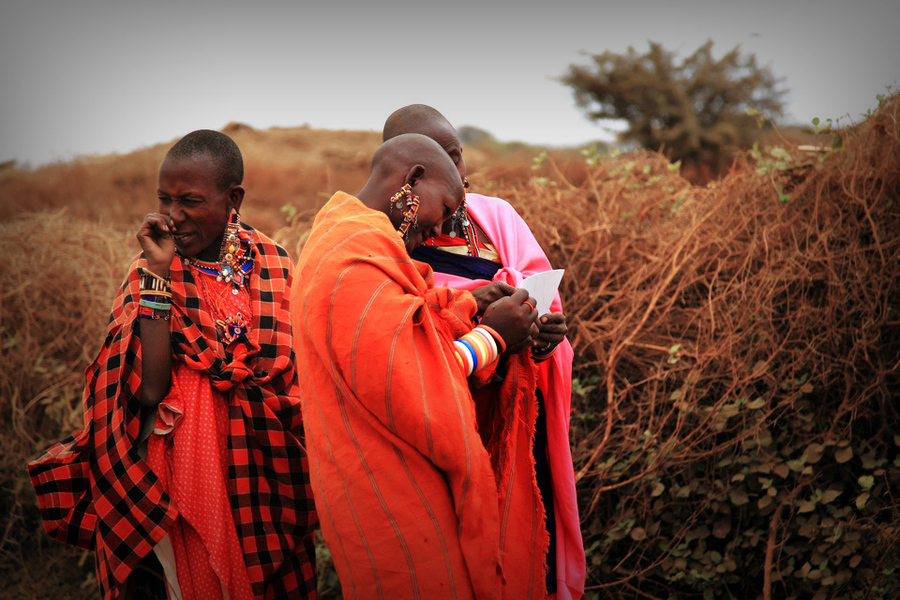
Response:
column 189, row 193
column 439, row 197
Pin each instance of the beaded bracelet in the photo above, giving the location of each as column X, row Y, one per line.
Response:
column 152, row 281
column 155, row 305
column 540, row 355
column 477, row 349
column 150, row 294
column 146, row 312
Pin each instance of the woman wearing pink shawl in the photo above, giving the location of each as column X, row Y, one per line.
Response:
column 489, row 241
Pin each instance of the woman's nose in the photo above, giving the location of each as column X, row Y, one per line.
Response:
column 175, row 212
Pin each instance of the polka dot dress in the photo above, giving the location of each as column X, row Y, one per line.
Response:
column 188, row 452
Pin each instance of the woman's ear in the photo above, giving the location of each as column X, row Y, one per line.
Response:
column 414, row 174
column 236, row 197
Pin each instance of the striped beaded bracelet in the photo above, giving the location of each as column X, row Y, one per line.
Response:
column 155, row 309
column 478, row 349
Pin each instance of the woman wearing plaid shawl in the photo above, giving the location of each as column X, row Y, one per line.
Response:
column 189, row 479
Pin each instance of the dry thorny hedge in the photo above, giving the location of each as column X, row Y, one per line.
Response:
column 735, row 425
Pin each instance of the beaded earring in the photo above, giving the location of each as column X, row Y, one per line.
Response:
column 459, row 217
column 410, row 215
column 460, row 221
column 234, row 261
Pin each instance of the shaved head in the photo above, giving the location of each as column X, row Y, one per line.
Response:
column 404, row 151
column 420, row 118
column 414, row 118
column 224, row 152
column 418, row 161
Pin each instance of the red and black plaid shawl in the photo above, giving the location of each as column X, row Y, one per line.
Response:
column 95, row 492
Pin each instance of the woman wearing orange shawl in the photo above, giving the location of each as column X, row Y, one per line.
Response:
column 488, row 241
column 199, row 359
column 412, row 502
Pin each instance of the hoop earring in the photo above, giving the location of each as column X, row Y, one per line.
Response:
column 410, row 215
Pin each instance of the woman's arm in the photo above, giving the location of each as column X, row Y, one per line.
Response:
column 156, row 348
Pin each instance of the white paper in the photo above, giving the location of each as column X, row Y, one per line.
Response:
column 542, row 287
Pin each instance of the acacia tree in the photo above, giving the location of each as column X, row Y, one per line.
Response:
column 693, row 111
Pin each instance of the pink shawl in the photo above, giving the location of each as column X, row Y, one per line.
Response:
column 522, row 256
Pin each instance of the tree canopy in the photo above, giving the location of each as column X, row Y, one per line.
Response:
column 695, row 110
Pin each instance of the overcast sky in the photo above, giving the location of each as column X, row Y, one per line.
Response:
column 101, row 76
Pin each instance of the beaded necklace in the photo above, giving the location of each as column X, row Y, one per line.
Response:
column 234, row 266
column 461, row 217
column 230, row 326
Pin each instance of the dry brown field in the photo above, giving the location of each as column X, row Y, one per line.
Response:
column 736, row 404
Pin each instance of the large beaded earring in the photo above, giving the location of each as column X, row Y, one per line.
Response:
column 460, row 217
column 233, row 253
column 410, row 215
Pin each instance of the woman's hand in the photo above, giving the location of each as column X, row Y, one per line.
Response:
column 513, row 318
column 490, row 293
column 552, row 330
column 155, row 238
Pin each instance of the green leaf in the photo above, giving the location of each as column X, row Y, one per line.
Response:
column 756, row 404
column 866, row 482
column 806, row 506
column 830, row 495
column 795, row 465
column 814, row 453
column 861, row 500
column 658, row 489
column 738, row 496
column 638, row 534
column 721, row 528
column 844, row 454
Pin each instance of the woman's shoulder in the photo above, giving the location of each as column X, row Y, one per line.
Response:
column 266, row 245
column 492, row 209
column 486, row 200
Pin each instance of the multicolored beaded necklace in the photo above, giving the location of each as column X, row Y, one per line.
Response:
column 234, row 266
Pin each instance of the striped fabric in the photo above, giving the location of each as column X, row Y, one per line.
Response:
column 95, row 492
column 411, row 501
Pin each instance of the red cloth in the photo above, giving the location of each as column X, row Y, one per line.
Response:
column 521, row 256
column 412, row 503
column 94, row 490
column 188, row 451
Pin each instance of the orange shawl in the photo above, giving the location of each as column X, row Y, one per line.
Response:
column 412, row 504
